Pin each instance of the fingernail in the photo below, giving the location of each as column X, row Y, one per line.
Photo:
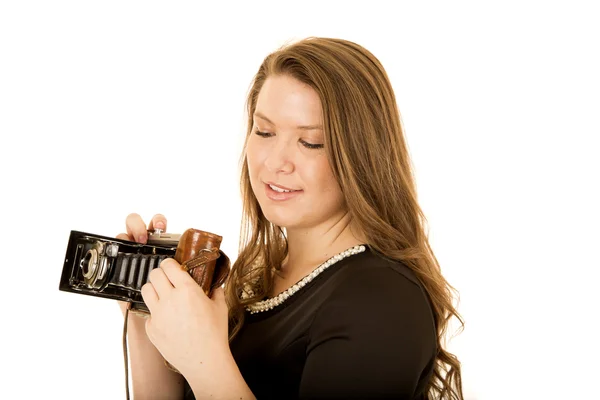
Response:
column 142, row 239
column 165, row 261
column 159, row 225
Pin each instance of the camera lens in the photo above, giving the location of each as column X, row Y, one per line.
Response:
column 95, row 266
column 85, row 263
column 89, row 264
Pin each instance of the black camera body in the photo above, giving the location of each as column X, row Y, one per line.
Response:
column 112, row 268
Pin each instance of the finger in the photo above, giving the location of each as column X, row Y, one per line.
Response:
column 161, row 283
column 124, row 236
column 149, row 295
column 136, row 228
column 159, row 221
column 176, row 274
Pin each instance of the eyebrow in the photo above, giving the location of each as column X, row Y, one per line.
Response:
column 302, row 127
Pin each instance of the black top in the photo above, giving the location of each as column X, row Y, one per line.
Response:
column 362, row 329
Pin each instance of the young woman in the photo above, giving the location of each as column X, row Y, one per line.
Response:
column 336, row 292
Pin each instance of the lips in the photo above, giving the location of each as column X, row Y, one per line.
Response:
column 281, row 196
column 280, row 186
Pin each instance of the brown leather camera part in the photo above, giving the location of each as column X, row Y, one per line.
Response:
column 199, row 254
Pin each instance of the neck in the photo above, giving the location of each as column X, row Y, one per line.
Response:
column 308, row 248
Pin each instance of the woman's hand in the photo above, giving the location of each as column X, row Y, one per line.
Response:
column 136, row 227
column 186, row 326
column 189, row 329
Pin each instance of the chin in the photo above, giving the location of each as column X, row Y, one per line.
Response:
column 277, row 219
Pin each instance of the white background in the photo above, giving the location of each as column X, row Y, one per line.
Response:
column 113, row 107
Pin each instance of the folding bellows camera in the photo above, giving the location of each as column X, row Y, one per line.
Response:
column 117, row 269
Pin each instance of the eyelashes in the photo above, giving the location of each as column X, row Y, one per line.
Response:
column 305, row 144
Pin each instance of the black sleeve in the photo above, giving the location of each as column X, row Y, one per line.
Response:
column 373, row 338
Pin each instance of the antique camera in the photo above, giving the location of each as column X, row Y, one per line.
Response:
column 117, row 269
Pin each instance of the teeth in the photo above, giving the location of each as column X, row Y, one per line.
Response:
column 275, row 188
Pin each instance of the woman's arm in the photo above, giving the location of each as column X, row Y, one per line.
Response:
column 226, row 383
column 150, row 377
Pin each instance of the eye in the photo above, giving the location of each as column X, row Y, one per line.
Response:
column 311, row 145
column 305, row 144
column 262, row 134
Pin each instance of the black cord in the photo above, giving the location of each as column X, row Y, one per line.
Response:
column 125, row 350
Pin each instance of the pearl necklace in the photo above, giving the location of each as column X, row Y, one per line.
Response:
column 273, row 302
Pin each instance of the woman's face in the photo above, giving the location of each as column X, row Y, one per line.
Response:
column 285, row 149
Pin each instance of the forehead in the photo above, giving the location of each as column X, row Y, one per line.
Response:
column 285, row 100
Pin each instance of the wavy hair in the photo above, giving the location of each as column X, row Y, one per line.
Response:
column 367, row 153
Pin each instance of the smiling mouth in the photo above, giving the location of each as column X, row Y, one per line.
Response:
column 277, row 194
column 281, row 190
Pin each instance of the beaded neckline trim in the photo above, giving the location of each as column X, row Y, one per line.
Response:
column 273, row 302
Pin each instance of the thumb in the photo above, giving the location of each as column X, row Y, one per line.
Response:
column 148, row 326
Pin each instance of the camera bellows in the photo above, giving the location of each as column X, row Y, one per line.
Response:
column 132, row 270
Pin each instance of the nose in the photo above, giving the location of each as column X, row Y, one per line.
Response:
column 280, row 157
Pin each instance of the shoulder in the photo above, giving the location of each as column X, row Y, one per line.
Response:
column 373, row 290
column 372, row 278
column 374, row 265
column 376, row 317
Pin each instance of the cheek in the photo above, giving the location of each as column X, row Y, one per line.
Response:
column 334, row 192
column 252, row 156
column 323, row 178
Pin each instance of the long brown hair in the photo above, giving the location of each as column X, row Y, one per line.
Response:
column 366, row 149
